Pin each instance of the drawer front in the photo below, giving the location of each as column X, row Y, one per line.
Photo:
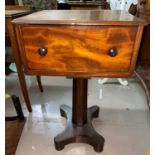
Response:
column 78, row 49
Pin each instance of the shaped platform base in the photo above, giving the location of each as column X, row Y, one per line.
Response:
column 79, row 133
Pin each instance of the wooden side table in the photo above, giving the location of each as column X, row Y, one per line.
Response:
column 11, row 14
column 79, row 44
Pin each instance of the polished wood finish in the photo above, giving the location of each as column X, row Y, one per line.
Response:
column 86, row 53
column 86, row 39
column 79, row 44
column 79, row 127
column 9, row 16
column 144, row 13
column 39, row 83
column 82, row 17
column 12, row 12
column 80, row 87
column 17, row 8
column 16, row 13
column 144, row 54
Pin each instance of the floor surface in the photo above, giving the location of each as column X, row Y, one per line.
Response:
column 123, row 120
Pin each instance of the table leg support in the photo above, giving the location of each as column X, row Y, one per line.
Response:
column 24, row 88
column 39, row 83
column 19, row 65
column 79, row 120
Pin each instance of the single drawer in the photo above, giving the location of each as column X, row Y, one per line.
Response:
column 78, row 49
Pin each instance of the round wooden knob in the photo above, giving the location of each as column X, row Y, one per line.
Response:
column 42, row 51
column 112, row 52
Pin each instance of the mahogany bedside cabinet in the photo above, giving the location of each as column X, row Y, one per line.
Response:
column 80, row 45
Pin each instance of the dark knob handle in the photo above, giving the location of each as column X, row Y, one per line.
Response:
column 42, row 51
column 112, row 52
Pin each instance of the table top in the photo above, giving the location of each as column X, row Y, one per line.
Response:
column 80, row 17
column 14, row 13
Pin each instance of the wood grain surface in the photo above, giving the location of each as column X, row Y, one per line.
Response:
column 78, row 49
column 78, row 42
column 9, row 16
column 82, row 17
